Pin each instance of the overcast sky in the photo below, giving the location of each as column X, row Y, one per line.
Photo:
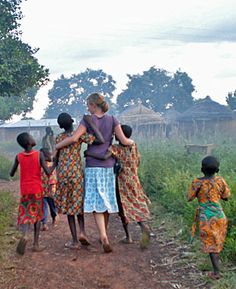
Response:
column 129, row 36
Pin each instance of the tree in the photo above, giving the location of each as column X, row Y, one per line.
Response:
column 158, row 90
column 231, row 100
column 69, row 94
column 19, row 69
column 17, row 105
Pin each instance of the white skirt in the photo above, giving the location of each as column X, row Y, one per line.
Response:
column 100, row 193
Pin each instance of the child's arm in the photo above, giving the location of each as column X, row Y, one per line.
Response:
column 98, row 156
column 193, row 190
column 14, row 167
column 43, row 164
column 99, row 137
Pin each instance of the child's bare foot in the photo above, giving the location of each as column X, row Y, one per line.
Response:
column 213, row 276
column 126, row 241
column 45, row 227
column 36, row 248
column 72, row 245
column 84, row 241
column 55, row 221
column 20, row 249
column 145, row 238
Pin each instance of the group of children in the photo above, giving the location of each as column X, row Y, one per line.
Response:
column 60, row 185
column 68, row 191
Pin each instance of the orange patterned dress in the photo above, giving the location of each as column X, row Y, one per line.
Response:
column 212, row 220
column 69, row 196
column 134, row 201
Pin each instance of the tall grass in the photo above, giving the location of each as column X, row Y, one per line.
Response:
column 166, row 172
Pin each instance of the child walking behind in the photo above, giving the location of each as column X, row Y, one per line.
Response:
column 31, row 206
column 49, row 189
column 132, row 201
column 69, row 197
column 209, row 190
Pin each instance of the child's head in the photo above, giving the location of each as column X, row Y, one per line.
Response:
column 127, row 130
column 49, row 130
column 65, row 121
column 47, row 154
column 210, row 165
column 25, row 140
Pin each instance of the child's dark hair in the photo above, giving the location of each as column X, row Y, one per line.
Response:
column 127, row 130
column 210, row 165
column 23, row 139
column 65, row 120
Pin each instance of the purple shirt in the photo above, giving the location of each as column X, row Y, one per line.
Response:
column 106, row 124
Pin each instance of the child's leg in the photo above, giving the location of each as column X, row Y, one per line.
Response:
column 72, row 225
column 128, row 238
column 82, row 238
column 52, row 208
column 36, row 247
column 100, row 222
column 45, row 214
column 20, row 249
column 215, row 264
column 145, row 237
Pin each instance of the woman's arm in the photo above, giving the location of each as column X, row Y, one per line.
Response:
column 72, row 139
column 121, row 137
column 14, row 167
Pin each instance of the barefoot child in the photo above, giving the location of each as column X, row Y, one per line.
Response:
column 49, row 189
column 30, row 208
column 209, row 190
column 69, row 195
column 132, row 200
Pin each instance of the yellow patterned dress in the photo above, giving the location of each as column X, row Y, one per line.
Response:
column 210, row 215
column 134, row 201
column 69, row 196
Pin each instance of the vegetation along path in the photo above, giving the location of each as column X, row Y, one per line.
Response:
column 162, row 265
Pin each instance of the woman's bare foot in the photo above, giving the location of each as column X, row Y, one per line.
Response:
column 106, row 246
column 72, row 245
column 84, row 240
column 213, row 276
column 20, row 249
column 126, row 241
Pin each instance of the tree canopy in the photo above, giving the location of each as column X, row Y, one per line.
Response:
column 69, row 94
column 158, row 89
column 19, row 68
column 231, row 100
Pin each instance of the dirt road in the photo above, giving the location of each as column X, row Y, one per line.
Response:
column 162, row 265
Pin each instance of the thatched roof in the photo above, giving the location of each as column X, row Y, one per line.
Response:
column 206, row 109
column 171, row 115
column 140, row 114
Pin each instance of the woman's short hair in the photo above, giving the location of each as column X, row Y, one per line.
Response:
column 99, row 100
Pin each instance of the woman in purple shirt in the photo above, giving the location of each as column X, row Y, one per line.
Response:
column 100, row 196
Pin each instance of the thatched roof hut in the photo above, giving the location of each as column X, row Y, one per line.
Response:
column 206, row 110
column 171, row 115
column 140, row 115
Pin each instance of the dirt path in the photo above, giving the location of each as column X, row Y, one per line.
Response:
column 162, row 265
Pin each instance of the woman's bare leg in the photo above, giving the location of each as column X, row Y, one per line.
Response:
column 100, row 222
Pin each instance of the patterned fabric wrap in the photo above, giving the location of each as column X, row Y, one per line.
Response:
column 209, row 214
column 49, row 182
column 134, row 201
column 30, row 209
column 69, row 194
column 100, row 195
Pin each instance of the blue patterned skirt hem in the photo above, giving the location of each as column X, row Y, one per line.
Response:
column 100, row 193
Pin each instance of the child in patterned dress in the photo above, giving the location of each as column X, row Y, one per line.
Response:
column 31, row 200
column 49, row 189
column 132, row 201
column 209, row 190
column 69, row 197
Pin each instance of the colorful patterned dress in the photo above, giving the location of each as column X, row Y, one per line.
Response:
column 49, row 183
column 210, row 215
column 134, row 201
column 69, row 196
column 31, row 204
